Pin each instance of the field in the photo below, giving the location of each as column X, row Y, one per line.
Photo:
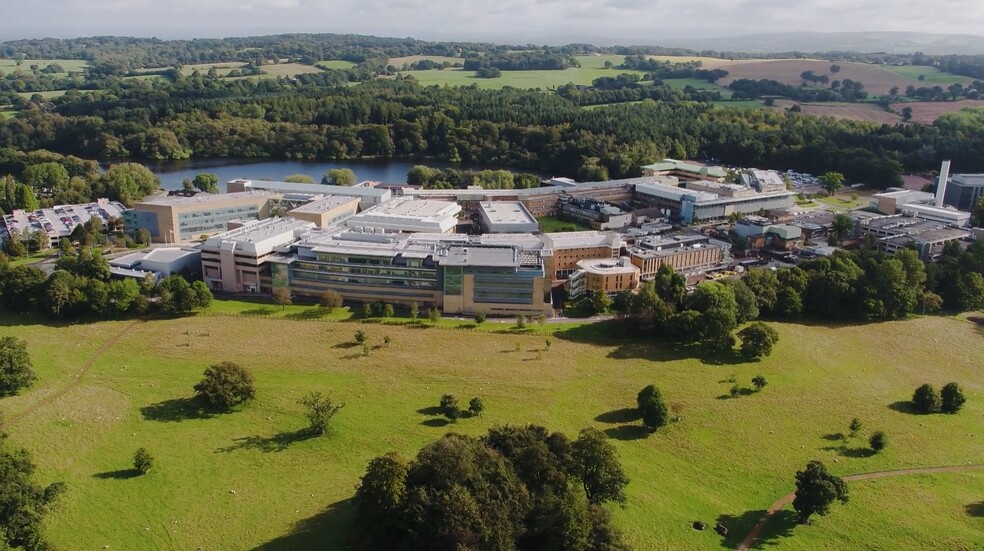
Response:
column 70, row 65
column 551, row 224
column 851, row 111
column 254, row 479
column 46, row 95
column 400, row 61
column 932, row 75
column 591, row 68
column 928, row 111
column 877, row 79
column 336, row 64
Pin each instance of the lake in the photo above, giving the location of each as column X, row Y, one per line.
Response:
column 172, row 173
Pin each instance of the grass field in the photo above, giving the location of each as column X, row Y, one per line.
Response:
column 932, row 75
column 336, row 64
column 552, row 224
column 841, row 110
column 69, row 65
column 591, row 68
column 727, row 460
column 47, row 95
column 928, row 111
column 410, row 59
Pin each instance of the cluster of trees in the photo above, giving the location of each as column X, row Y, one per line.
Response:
column 24, row 503
column 840, row 90
column 657, row 69
column 521, row 61
column 515, row 488
column 949, row 400
column 450, row 409
column 81, row 285
column 952, row 92
column 451, row 178
column 627, row 88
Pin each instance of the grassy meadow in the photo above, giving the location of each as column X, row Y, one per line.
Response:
column 69, row 65
column 254, row 479
column 933, row 76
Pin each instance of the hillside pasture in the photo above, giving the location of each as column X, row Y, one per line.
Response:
column 926, row 112
column 931, row 75
column 288, row 69
column 69, row 65
column 335, row 64
column 410, row 59
column 849, row 111
column 592, row 67
column 254, row 479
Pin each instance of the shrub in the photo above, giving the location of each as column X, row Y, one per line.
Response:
column 735, row 391
column 320, row 410
column 330, row 300
column 855, row 427
column 951, row 398
column 142, row 461
column 367, row 310
column 449, row 407
column 926, row 400
column 388, row 310
column 520, row 322
column 360, row 336
column 434, row 315
column 225, row 385
column 480, row 317
column 475, row 406
column 878, row 441
column 759, row 382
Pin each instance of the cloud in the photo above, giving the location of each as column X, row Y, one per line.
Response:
column 533, row 21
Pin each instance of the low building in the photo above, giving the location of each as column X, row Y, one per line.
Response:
column 721, row 189
column 963, row 191
column 610, row 276
column 179, row 218
column 901, row 231
column 158, row 263
column 564, row 250
column 759, row 233
column 326, row 211
column 506, row 217
column 684, row 170
column 593, row 213
column 764, row 181
column 368, row 195
column 408, row 215
column 236, row 261
column 687, row 252
column 695, row 206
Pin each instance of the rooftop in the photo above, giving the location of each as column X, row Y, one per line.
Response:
column 506, row 212
column 326, row 204
column 683, row 166
column 205, row 198
column 581, row 239
column 607, row 266
column 260, row 230
column 350, row 191
column 408, row 214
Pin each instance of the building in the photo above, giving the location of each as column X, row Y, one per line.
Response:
column 695, row 206
column 158, row 263
column 721, row 189
column 59, row 221
column 764, row 181
column 610, row 276
column 562, row 251
column 920, row 204
column 236, row 261
column 760, row 233
column 685, row 171
column 963, row 191
column 593, row 213
column 506, row 217
column 326, row 211
column 901, row 231
column 687, row 252
column 409, row 215
column 178, row 218
column 368, row 195
column 561, row 182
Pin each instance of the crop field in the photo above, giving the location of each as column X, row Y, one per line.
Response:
column 254, row 479
column 222, row 69
column 928, row 111
column 850, row 111
column 69, row 65
column 289, row 69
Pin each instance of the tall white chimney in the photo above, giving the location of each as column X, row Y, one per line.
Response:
column 941, row 184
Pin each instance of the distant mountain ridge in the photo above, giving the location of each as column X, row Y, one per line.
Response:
column 865, row 42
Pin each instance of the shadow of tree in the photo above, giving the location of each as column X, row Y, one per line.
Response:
column 326, row 530
column 122, row 474
column 779, row 526
column 430, row 410
column 435, row 422
column 628, row 432
column 904, row 406
column 310, row 314
column 259, row 311
column 177, row 409
column 346, row 345
column 276, row 443
column 624, row 415
column 834, row 437
column 975, row 509
column 856, row 452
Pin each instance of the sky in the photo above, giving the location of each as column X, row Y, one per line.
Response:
column 518, row 21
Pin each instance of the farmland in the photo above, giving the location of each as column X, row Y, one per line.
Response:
column 591, row 68
column 850, row 111
column 928, row 111
column 69, row 65
column 255, row 479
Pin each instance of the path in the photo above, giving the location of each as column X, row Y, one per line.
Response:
column 785, row 500
column 75, row 380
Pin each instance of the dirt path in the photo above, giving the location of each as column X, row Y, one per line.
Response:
column 12, row 420
column 785, row 500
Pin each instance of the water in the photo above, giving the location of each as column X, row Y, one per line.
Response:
column 172, row 173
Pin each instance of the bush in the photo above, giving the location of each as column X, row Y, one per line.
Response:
column 330, row 300
column 142, row 461
column 449, row 407
column 926, row 400
column 225, row 385
column 480, row 317
column 951, row 398
column 759, row 382
column 16, row 371
column 652, row 407
column 855, row 427
column 475, row 406
column 320, row 410
column 735, row 391
column 878, row 441
column 434, row 315
column 360, row 336
column 388, row 310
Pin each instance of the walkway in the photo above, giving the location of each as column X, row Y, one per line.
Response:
column 785, row 500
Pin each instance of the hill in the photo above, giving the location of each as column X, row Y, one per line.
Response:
column 888, row 42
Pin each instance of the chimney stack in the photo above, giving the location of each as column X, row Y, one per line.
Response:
column 941, row 184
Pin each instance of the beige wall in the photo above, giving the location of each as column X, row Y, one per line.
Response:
column 465, row 304
column 683, row 260
column 567, row 259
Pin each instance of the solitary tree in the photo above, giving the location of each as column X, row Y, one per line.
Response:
column 339, row 177
column 16, row 371
column 759, row 382
column 207, row 182
column 878, row 441
column 480, row 317
column 757, row 340
column 414, row 311
column 434, row 315
column 449, row 407
column 360, row 336
column 951, row 398
column 330, row 300
column 816, row 489
column 225, row 385
column 835, row 68
column 142, row 461
column 282, row 298
column 320, row 410
column 855, row 427
column 475, row 406
column 652, row 407
column 926, row 400
column 596, row 465
column 388, row 310
column 832, row 181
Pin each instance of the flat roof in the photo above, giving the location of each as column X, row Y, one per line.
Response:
column 204, row 198
column 506, row 212
column 607, row 266
column 408, row 214
column 169, row 254
column 350, row 191
column 326, row 204
column 260, row 230
column 578, row 239
column 683, row 166
column 469, row 255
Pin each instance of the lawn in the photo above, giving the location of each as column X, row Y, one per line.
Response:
column 933, row 75
column 844, row 201
column 46, row 95
column 254, row 480
column 681, row 83
column 551, row 224
column 335, row 64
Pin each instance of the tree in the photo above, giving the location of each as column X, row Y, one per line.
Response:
column 366, row 310
column 388, row 310
column 831, row 181
column 907, row 113
column 379, row 500
column 757, row 340
column 282, row 298
column 926, row 400
column 652, row 407
column 24, row 198
column 842, row 226
column 596, row 465
column 718, row 314
column 207, row 182
column 360, row 336
column 475, row 406
column 878, row 441
column 759, row 382
column 855, row 427
column 321, row 409
column 299, row 179
column 16, row 371
column 414, row 311
column 835, row 68
column 600, row 302
column 339, row 177
column 143, row 236
column 142, row 461
column 127, row 183
column 480, row 317
column 816, row 490
column 24, row 503
column 330, row 300
column 951, row 398
column 225, row 385
column 434, row 315
column 449, row 407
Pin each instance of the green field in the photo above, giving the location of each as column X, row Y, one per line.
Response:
column 335, row 64
column 253, row 479
column 70, row 65
column 933, row 75
column 46, row 95
column 551, row 224
column 591, row 68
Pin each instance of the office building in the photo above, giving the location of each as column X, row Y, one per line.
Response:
column 179, row 218
column 562, row 251
column 409, row 215
column 685, row 171
column 506, row 217
column 610, row 276
column 368, row 196
column 900, row 231
column 326, row 211
column 764, row 181
column 235, row 261
column 963, row 191
column 593, row 213
column 684, row 252
column 695, row 206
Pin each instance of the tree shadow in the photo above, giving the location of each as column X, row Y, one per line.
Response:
column 326, row 530
column 122, row 474
column 975, row 509
column 310, row 314
column 346, row 345
column 624, row 415
column 904, row 406
column 276, row 443
column 834, row 437
column 261, row 311
column 175, row 410
column 779, row 526
column 856, row 452
column 661, row 351
column 628, row 432
column 435, row 422
column 430, row 410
